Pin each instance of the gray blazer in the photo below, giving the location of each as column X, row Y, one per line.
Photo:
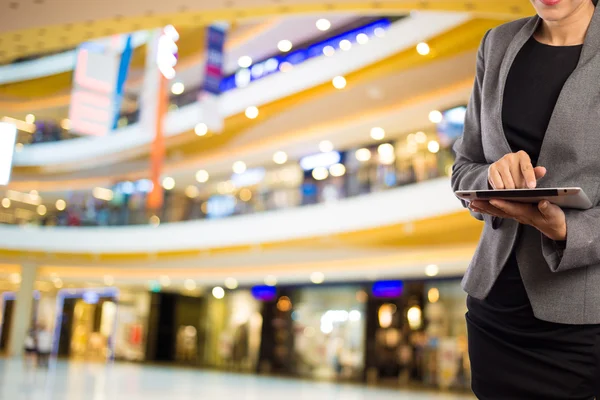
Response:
column 563, row 285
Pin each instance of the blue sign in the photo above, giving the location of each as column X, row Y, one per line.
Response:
column 264, row 292
column 122, row 77
column 387, row 289
column 213, row 73
column 272, row 65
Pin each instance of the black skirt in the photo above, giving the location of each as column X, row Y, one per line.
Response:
column 515, row 356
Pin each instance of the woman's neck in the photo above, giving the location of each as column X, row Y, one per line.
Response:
column 568, row 31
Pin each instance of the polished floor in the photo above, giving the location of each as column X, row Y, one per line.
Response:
column 80, row 381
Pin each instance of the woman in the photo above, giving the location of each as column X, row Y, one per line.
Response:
column 534, row 281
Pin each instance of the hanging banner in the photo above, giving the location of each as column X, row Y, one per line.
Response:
column 122, row 77
column 160, row 68
column 213, row 75
column 98, row 81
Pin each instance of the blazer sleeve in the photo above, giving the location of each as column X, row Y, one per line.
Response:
column 582, row 247
column 470, row 169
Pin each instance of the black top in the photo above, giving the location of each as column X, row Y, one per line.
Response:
column 534, row 83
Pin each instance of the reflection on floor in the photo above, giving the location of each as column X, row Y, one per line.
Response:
column 74, row 380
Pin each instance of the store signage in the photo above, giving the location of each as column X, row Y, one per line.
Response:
column 387, row 289
column 325, row 160
column 264, row 292
column 8, row 136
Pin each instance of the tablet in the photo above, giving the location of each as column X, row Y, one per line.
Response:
column 571, row 197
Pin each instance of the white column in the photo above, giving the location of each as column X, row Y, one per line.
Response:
column 21, row 318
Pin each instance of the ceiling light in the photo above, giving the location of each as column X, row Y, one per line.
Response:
column 65, row 124
column 326, row 146
column 192, row 191
column 339, row 82
column 285, row 66
column 58, row 283
column 328, row 51
column 433, row 295
column 245, row 61
column 320, row 173
column 386, row 153
column 164, row 280
column 379, row 32
column 154, row 220
column 103, row 194
column 245, row 194
column 177, row 88
column 189, row 284
column 30, row 118
column 239, row 167
column 436, row 116
column 284, row 45
column 363, row 155
column 420, row 137
column 432, row 270
column 202, row 176
column 60, row 204
column 317, row 278
column 423, row 49
column 411, row 139
column 270, row 280
column 5, row 202
column 218, row 292
column 415, row 317
column 168, row 183
column 362, row 38
column 231, row 283
column 252, row 112
column 345, row 45
column 109, row 280
column 201, row 129
column 433, row 146
column 280, row 157
column 15, row 278
column 323, row 24
column 377, row 133
column 41, row 209
column 337, row 170
column 34, row 193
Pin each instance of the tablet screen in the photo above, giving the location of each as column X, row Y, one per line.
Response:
column 517, row 193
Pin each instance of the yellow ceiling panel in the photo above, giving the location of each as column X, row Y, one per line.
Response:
column 38, row 40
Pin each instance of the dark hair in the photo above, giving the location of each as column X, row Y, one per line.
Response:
column 595, row 2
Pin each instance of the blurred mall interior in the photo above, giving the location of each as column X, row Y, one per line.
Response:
column 255, row 190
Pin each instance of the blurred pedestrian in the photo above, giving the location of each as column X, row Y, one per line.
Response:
column 44, row 346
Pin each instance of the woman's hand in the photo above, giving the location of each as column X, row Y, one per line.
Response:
column 545, row 216
column 514, row 171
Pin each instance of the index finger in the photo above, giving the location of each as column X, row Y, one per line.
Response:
column 527, row 169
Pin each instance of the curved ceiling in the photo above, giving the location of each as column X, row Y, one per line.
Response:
column 43, row 26
column 281, row 114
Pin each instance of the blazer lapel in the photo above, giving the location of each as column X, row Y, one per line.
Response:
column 555, row 135
column 511, row 53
